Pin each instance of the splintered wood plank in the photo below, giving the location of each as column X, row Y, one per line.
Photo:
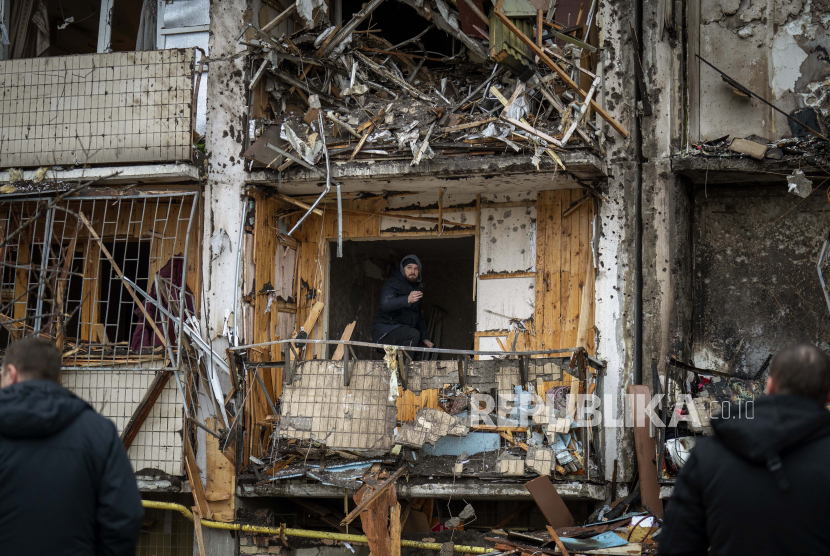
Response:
column 197, row 530
column 221, row 480
column 542, row 270
column 347, row 334
column 577, row 274
column 561, row 335
column 585, row 259
column 21, row 280
column 550, row 503
column 313, row 315
column 265, row 250
column 144, row 407
column 194, row 478
column 395, row 529
column 585, row 327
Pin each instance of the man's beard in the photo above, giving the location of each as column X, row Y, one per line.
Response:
column 413, row 279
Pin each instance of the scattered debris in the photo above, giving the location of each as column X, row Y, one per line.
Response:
column 799, row 184
column 744, row 146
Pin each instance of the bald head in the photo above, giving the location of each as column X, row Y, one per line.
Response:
column 800, row 369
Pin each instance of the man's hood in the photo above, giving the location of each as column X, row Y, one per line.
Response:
column 37, row 409
column 420, row 268
column 772, row 426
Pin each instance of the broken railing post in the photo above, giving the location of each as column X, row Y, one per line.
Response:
column 264, row 390
column 402, row 367
column 347, row 376
column 522, row 371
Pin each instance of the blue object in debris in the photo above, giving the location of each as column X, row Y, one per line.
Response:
column 603, row 540
column 473, row 443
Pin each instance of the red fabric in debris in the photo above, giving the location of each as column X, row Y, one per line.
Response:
column 143, row 335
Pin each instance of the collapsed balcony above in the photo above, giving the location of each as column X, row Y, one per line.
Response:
column 328, row 96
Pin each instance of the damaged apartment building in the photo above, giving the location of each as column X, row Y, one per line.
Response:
column 200, row 202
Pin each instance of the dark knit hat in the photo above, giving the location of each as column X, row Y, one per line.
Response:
column 408, row 261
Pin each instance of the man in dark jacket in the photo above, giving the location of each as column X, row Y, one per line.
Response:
column 66, row 485
column 761, row 484
column 399, row 321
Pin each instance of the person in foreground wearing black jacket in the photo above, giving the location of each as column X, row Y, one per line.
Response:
column 399, row 321
column 761, row 484
column 66, row 485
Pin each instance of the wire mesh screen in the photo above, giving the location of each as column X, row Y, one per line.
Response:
column 116, row 395
column 105, row 277
column 97, row 108
column 165, row 533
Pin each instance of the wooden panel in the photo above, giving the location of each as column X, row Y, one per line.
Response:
column 221, row 480
column 550, row 503
column 563, row 249
column 409, row 403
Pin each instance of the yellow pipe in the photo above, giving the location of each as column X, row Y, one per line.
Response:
column 302, row 532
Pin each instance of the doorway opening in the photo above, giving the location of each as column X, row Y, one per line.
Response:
column 356, row 279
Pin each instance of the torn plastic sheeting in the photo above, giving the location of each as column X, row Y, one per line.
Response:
column 305, row 9
column 377, row 136
column 603, row 540
column 499, row 133
column 407, row 138
column 518, row 109
column 334, row 479
column 309, row 154
column 473, row 443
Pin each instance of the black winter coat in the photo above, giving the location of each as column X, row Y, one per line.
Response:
column 759, row 486
column 395, row 309
column 66, row 485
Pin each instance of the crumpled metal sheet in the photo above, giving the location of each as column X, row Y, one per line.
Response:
column 186, row 13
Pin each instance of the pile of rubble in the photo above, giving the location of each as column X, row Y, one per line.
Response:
column 511, row 85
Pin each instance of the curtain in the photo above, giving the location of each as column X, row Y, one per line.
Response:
column 147, row 26
column 29, row 29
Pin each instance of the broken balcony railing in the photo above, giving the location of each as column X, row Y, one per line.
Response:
column 312, row 389
column 66, row 266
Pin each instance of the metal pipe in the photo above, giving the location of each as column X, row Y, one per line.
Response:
column 596, row 363
column 328, row 185
column 193, row 334
column 590, row 20
column 183, row 289
column 637, row 377
column 310, row 209
column 44, row 263
column 245, row 207
column 304, row 533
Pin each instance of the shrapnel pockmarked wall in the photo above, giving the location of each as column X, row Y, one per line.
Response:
column 97, row 108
